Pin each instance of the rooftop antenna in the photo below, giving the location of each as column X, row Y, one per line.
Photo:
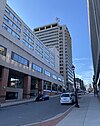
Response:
column 57, row 19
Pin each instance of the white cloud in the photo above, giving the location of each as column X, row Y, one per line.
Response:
column 86, row 76
column 78, row 59
column 84, row 70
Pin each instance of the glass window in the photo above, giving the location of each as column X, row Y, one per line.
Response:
column 47, row 73
column 46, row 59
column 65, row 95
column 40, row 54
column 40, row 43
column 11, row 31
column 52, row 64
column 4, row 26
column 7, row 10
column 14, row 26
column 11, row 15
column 37, row 68
column 55, row 77
column 6, row 18
column 18, row 22
column 19, row 59
column 32, row 36
column 3, row 50
column 39, row 48
column 15, row 56
column 27, row 44
column 15, row 19
column 59, row 78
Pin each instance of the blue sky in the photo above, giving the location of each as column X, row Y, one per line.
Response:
column 73, row 13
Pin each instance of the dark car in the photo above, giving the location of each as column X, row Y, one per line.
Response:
column 42, row 97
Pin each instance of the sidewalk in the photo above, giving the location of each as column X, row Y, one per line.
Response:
column 87, row 115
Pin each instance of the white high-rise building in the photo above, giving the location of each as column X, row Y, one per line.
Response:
column 55, row 35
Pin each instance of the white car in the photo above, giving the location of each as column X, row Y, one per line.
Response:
column 67, row 98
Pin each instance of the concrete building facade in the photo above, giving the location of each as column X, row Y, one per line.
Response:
column 27, row 66
column 55, row 35
column 94, row 29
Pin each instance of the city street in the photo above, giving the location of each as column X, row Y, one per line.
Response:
column 31, row 112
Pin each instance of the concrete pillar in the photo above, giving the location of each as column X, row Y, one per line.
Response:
column 27, row 86
column 3, row 84
column 40, row 86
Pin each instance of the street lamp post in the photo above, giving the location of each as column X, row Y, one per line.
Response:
column 76, row 99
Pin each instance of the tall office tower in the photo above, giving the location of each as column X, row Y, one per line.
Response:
column 94, row 28
column 55, row 35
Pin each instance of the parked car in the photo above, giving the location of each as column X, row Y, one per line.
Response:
column 67, row 98
column 42, row 97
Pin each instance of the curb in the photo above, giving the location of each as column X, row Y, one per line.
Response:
column 52, row 121
column 16, row 103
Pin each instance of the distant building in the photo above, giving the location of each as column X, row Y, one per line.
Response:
column 79, row 84
column 55, row 35
column 94, row 28
column 27, row 66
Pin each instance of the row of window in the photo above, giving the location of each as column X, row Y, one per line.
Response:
column 28, row 38
column 12, row 24
column 48, row 36
column 50, row 31
column 28, row 32
column 27, row 44
column 52, row 64
column 13, row 16
column 37, row 51
column 39, row 48
column 46, row 55
column 49, row 74
column 52, row 38
column 46, row 59
column 11, row 31
column 39, row 42
column 52, row 56
column 24, row 61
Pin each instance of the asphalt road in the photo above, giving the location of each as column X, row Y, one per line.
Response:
column 31, row 112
